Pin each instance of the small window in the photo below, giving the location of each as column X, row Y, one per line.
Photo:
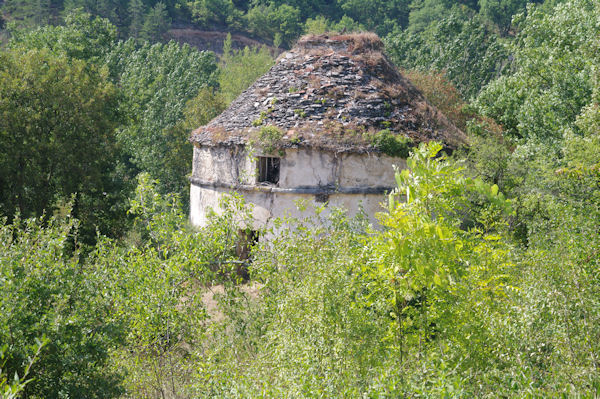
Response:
column 268, row 170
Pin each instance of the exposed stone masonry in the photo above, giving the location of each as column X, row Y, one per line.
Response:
column 331, row 93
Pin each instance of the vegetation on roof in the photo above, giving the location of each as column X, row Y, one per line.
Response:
column 327, row 87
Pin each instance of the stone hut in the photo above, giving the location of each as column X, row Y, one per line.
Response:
column 327, row 123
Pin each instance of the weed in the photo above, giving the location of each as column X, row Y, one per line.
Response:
column 268, row 137
column 300, row 112
column 261, row 119
column 391, row 144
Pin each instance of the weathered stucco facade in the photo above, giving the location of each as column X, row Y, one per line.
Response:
column 316, row 127
column 347, row 180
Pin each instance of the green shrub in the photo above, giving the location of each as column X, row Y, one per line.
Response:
column 159, row 283
column 391, row 144
column 11, row 389
column 268, row 138
column 48, row 290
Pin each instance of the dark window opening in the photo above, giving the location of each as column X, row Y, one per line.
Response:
column 268, row 170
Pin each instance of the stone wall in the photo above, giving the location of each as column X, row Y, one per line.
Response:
column 347, row 180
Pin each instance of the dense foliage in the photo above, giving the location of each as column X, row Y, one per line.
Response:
column 117, row 301
column 57, row 125
column 483, row 279
column 471, row 56
column 276, row 21
column 123, row 114
column 157, row 81
column 551, row 78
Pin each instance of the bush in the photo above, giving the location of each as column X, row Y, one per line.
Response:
column 158, row 284
column 391, row 144
column 116, row 308
column 268, row 138
column 48, row 290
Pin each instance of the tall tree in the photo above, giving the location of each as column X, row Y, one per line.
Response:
column 27, row 13
column 157, row 80
column 461, row 45
column 156, row 23
column 216, row 12
column 136, row 13
column 240, row 68
column 83, row 37
column 501, row 11
column 380, row 16
column 551, row 78
column 270, row 21
column 57, row 135
column 425, row 12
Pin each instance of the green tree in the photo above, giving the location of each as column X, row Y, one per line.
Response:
column 27, row 13
column 268, row 21
column 57, row 136
column 380, row 16
column 136, row 13
column 550, row 80
column 240, row 68
column 424, row 12
column 208, row 104
column 501, row 12
column 463, row 47
column 157, row 80
column 83, row 37
column 309, row 8
column 156, row 23
column 316, row 26
column 220, row 12
column 347, row 24
column 197, row 112
column 113, row 10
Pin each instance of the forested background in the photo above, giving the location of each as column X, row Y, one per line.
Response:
column 484, row 283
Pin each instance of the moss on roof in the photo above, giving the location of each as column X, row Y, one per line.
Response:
column 334, row 92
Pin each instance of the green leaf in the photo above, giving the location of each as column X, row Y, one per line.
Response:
column 494, row 190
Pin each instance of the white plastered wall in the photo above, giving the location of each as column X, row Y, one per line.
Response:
column 220, row 169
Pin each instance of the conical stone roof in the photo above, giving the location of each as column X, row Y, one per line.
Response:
column 334, row 92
